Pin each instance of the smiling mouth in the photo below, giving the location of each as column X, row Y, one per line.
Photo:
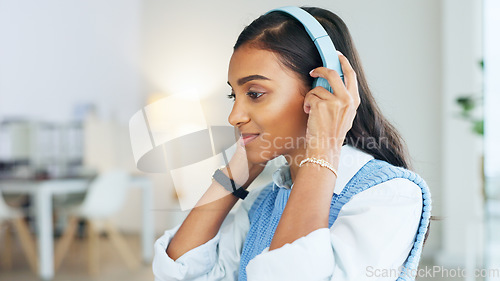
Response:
column 247, row 138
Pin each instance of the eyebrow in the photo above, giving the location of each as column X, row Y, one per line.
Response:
column 249, row 78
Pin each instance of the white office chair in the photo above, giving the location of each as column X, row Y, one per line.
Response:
column 104, row 198
column 9, row 217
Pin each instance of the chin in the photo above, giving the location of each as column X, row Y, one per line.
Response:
column 261, row 156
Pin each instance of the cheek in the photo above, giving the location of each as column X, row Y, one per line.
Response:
column 288, row 121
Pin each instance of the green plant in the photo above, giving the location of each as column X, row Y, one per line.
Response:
column 470, row 105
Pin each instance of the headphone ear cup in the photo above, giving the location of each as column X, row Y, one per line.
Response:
column 323, row 83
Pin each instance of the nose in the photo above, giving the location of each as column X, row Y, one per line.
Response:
column 238, row 115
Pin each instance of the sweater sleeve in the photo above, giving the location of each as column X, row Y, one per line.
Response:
column 217, row 259
column 370, row 239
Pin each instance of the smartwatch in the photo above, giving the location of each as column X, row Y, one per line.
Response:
column 229, row 184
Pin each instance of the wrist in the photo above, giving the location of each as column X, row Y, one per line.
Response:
column 229, row 184
column 233, row 173
column 242, row 174
column 320, row 163
column 332, row 156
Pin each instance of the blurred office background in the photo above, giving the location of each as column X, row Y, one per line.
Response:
column 72, row 74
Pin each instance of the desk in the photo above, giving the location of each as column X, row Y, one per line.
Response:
column 42, row 192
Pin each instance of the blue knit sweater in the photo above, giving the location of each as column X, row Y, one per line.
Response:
column 267, row 209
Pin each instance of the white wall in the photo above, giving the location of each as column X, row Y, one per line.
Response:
column 55, row 54
column 461, row 153
column 492, row 88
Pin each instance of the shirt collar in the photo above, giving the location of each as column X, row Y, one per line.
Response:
column 282, row 177
column 351, row 160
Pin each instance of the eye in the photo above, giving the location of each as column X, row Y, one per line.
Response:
column 254, row 95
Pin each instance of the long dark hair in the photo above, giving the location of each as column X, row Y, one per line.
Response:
column 285, row 36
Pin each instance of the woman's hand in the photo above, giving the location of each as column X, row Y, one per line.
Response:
column 331, row 115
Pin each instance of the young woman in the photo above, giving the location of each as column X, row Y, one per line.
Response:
column 344, row 207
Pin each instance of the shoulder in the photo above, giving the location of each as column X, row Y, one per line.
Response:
column 393, row 191
column 376, row 183
column 357, row 167
column 379, row 184
column 383, row 179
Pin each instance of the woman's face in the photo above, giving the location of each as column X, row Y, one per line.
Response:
column 268, row 107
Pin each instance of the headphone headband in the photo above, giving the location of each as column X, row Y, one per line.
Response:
column 318, row 35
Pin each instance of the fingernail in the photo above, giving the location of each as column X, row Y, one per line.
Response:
column 310, row 72
column 340, row 53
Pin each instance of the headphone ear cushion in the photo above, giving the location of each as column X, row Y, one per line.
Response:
column 323, row 83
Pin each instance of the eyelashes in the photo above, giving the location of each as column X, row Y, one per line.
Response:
column 252, row 95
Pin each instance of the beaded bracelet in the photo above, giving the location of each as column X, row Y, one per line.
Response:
column 320, row 162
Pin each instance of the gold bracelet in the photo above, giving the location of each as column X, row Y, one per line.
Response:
column 320, row 162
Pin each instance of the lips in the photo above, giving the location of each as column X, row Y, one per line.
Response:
column 248, row 138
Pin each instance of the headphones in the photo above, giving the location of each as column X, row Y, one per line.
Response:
column 320, row 37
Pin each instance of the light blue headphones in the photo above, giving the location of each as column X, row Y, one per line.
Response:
column 320, row 38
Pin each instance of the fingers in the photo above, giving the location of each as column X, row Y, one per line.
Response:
column 333, row 79
column 350, row 78
column 316, row 96
column 346, row 92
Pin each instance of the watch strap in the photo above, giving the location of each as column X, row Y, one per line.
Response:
column 229, row 184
